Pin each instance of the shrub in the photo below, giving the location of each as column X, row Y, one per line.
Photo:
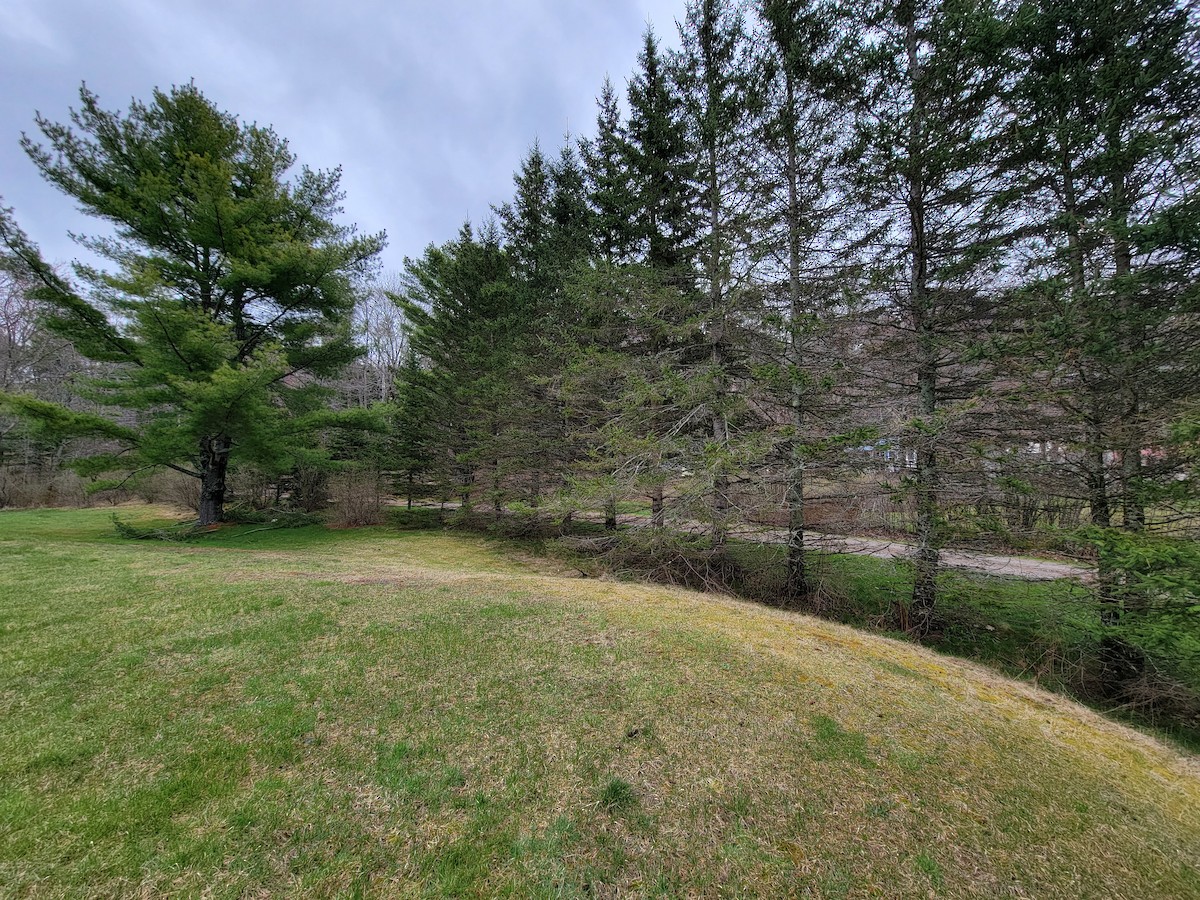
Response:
column 357, row 496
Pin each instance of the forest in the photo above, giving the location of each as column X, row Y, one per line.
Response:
column 846, row 308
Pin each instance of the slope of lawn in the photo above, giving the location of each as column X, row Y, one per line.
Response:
column 376, row 713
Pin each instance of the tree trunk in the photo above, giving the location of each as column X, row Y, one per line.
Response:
column 797, row 564
column 657, row 519
column 1133, row 510
column 924, row 596
column 610, row 514
column 720, row 426
column 466, row 478
column 1093, row 462
column 535, row 487
column 214, row 462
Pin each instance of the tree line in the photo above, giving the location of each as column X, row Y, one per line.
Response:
column 956, row 233
column 926, row 269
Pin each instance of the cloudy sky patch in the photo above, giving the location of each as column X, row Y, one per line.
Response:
column 427, row 107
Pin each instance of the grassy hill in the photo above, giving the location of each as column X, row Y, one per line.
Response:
column 373, row 713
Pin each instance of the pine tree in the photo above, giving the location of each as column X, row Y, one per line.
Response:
column 414, row 449
column 230, row 287
column 572, row 221
column 607, row 179
column 662, row 166
column 544, row 229
column 461, row 301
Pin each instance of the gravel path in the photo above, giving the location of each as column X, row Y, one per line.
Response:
column 1027, row 567
column 989, row 563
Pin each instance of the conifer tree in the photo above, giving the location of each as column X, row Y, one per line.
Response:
column 662, row 166
column 804, row 52
column 1104, row 159
column 461, row 302
column 598, row 342
column 230, row 285
column 607, row 179
column 719, row 100
column 925, row 146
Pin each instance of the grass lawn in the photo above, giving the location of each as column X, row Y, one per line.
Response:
column 414, row 714
column 1037, row 630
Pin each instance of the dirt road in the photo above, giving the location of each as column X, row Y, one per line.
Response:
column 1025, row 567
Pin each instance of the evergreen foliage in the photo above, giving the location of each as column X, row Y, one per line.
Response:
column 228, row 289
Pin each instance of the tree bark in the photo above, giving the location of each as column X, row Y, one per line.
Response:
column 1094, row 467
column 535, row 487
column 1133, row 510
column 720, row 426
column 214, row 462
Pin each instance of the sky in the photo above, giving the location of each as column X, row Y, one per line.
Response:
column 427, row 106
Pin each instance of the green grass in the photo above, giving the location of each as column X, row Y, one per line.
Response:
column 381, row 713
column 1036, row 630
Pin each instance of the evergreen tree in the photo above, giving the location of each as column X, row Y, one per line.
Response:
column 719, row 100
column 608, row 181
column 925, row 147
column 572, row 221
column 804, row 52
column 1104, row 159
column 662, row 166
column 461, row 302
column 414, row 447
column 230, row 285
column 662, row 169
column 545, row 220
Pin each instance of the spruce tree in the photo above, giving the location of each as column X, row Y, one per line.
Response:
column 926, row 169
column 719, row 99
column 461, row 301
column 804, row 47
column 662, row 166
column 608, row 181
column 1104, row 162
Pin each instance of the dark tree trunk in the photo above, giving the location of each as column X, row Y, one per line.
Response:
column 720, row 426
column 214, row 462
column 610, row 515
column 1097, row 487
column 797, row 563
column 927, row 556
column 466, row 479
column 656, row 507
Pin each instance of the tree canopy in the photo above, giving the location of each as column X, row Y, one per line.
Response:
column 226, row 285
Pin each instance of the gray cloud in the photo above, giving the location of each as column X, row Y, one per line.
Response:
column 427, row 107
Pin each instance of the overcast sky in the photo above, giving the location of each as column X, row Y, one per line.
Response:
column 427, row 106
